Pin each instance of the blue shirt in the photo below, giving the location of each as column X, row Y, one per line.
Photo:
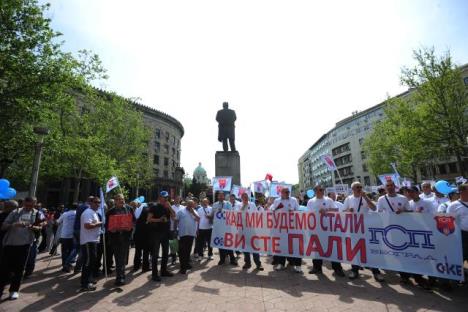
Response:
column 187, row 225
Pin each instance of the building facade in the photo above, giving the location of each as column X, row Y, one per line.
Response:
column 344, row 143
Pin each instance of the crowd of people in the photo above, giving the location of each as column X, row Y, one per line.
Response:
column 96, row 242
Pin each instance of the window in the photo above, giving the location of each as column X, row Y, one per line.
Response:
column 157, row 133
column 167, row 137
column 166, row 148
column 157, row 147
column 166, row 161
column 367, row 181
column 156, row 159
column 361, row 140
column 442, row 169
column 465, row 80
column 364, row 168
column 156, row 172
column 363, row 155
column 173, row 151
column 166, row 174
column 452, row 167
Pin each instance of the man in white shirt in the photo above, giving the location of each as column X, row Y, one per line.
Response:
column 90, row 230
column 220, row 206
column 392, row 202
column 427, row 191
column 338, row 205
column 186, row 222
column 205, row 228
column 67, row 221
column 460, row 209
column 235, row 206
column 246, row 205
column 173, row 230
column 417, row 204
column 359, row 202
column 453, row 196
column 322, row 204
column 283, row 204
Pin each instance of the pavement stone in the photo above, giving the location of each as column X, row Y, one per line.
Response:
column 227, row 288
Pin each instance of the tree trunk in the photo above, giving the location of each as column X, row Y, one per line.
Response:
column 461, row 165
column 76, row 194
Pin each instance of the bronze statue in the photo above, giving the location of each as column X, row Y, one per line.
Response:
column 226, row 118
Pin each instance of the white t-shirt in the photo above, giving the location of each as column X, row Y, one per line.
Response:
column 187, row 225
column 422, row 206
column 89, row 235
column 397, row 202
column 461, row 211
column 250, row 207
column 67, row 219
column 338, row 205
column 286, row 204
column 317, row 204
column 430, row 196
column 443, row 207
column 353, row 202
column 236, row 205
column 176, row 208
column 204, row 223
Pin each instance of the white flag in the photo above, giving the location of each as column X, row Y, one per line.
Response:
column 112, row 184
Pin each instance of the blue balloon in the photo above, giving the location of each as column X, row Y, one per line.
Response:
column 4, row 185
column 310, row 193
column 9, row 194
column 443, row 187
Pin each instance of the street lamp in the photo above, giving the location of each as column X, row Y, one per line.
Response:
column 41, row 133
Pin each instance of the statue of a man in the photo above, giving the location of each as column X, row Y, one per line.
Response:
column 226, row 129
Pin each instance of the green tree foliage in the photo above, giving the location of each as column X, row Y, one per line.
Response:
column 93, row 134
column 424, row 125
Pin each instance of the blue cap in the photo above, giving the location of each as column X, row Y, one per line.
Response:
column 164, row 194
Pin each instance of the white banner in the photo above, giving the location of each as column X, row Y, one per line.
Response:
column 341, row 188
column 414, row 243
column 275, row 188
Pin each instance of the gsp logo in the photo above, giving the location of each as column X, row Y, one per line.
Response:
column 399, row 238
column 218, row 241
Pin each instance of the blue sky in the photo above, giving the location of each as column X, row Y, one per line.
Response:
column 290, row 69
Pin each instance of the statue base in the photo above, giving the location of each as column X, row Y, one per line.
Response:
column 228, row 164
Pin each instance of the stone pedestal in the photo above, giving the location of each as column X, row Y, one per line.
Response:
column 228, row 164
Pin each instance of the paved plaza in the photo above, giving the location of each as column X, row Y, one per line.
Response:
column 213, row 288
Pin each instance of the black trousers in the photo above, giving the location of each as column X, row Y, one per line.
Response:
column 88, row 256
column 282, row 260
column 13, row 264
column 67, row 248
column 203, row 239
column 185, row 247
column 141, row 249
column 225, row 252
column 355, row 268
column 43, row 244
column 120, row 243
column 255, row 256
column 159, row 239
column 465, row 245
column 31, row 263
column 317, row 263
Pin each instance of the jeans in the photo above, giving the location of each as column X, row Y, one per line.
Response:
column 88, row 254
column 159, row 239
column 68, row 247
column 225, row 252
column 13, row 262
column 256, row 258
column 203, row 239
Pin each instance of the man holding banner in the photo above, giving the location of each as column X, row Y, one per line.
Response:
column 358, row 202
column 460, row 209
column 322, row 204
column 281, row 204
column 219, row 207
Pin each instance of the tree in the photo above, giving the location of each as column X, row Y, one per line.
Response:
column 425, row 125
column 443, row 100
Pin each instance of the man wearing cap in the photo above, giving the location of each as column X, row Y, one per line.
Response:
column 416, row 203
column 322, row 204
column 460, row 209
column 159, row 216
column 220, row 206
column 358, row 202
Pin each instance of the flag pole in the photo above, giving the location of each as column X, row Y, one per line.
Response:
column 103, row 228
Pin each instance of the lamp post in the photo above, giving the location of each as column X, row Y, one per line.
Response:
column 41, row 133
